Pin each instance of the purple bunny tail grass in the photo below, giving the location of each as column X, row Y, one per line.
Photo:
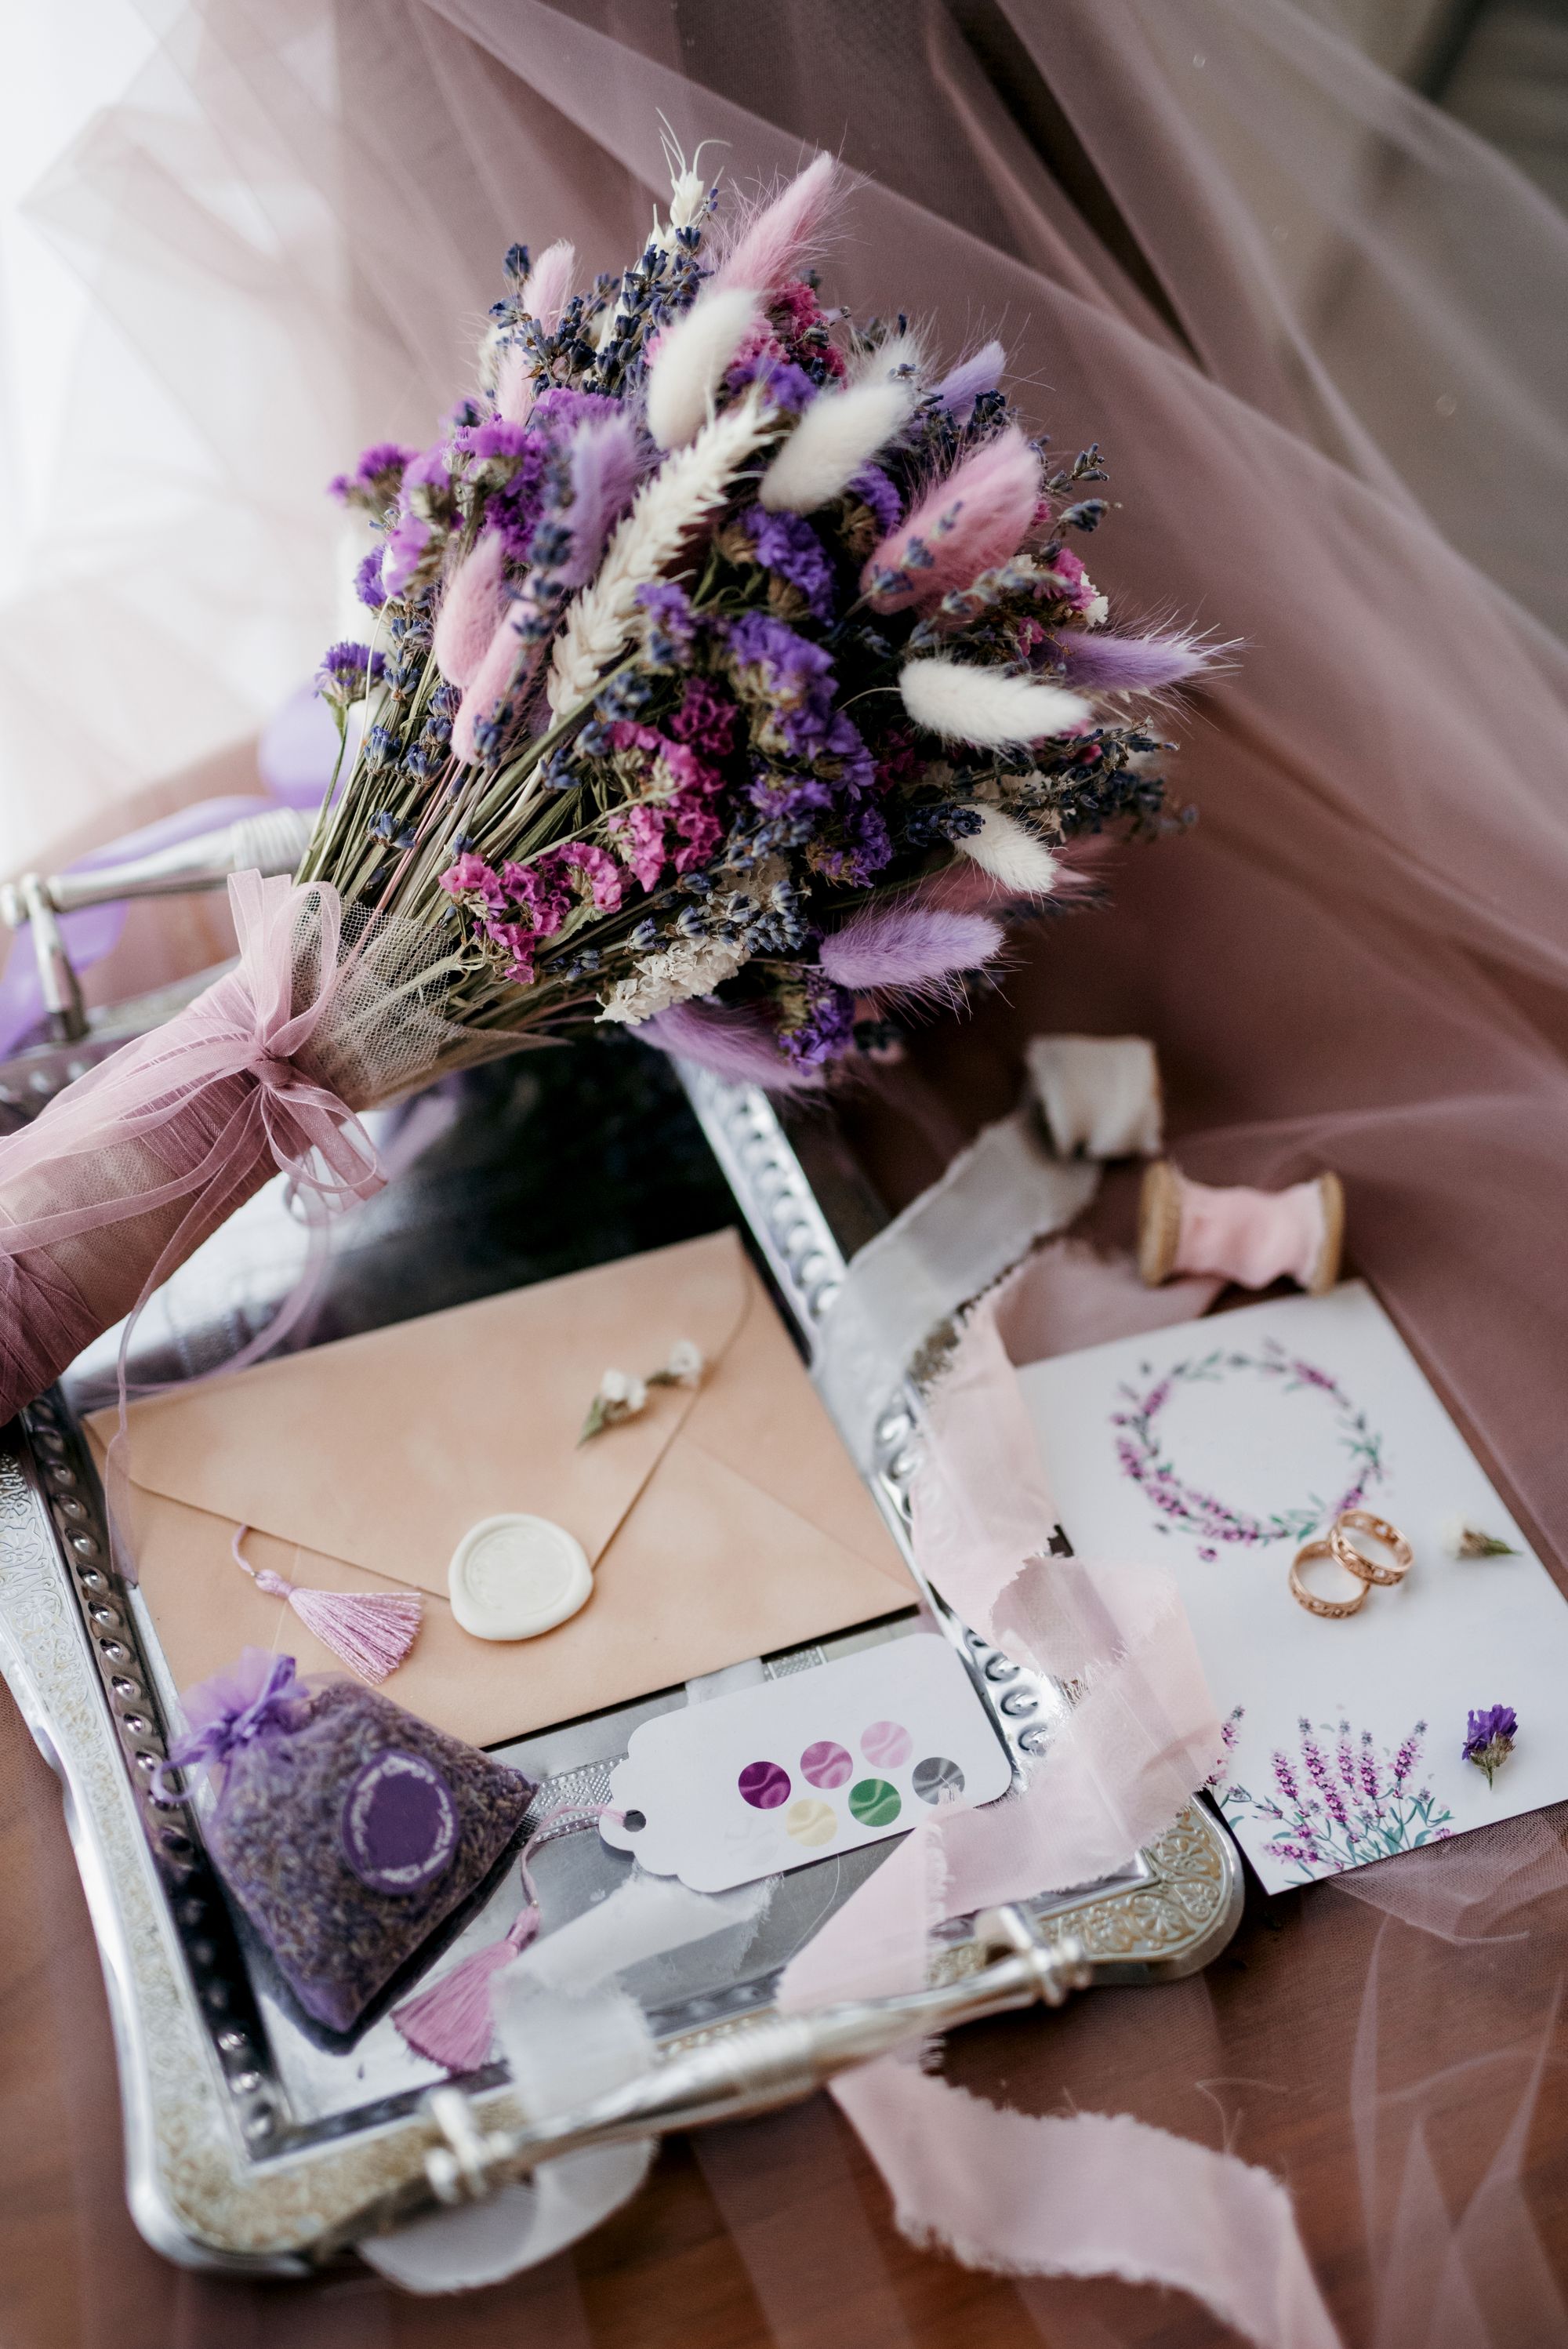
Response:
column 1097, row 663
column 605, row 466
column 451, row 2023
column 730, row 1041
column 772, row 246
column 908, row 948
column 371, row 1632
column 981, row 371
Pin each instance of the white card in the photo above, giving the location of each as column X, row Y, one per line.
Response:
column 801, row 1769
column 1220, row 1446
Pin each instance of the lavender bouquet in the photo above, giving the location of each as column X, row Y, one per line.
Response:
column 730, row 672
column 731, row 679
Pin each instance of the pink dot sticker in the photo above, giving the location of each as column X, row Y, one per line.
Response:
column 764, row 1785
column 826, row 1764
column 886, row 1744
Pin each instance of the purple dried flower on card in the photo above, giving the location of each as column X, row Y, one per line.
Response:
column 1489, row 1739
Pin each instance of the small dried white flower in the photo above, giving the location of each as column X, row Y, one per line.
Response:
column 685, row 1367
column 1461, row 1539
column 688, row 967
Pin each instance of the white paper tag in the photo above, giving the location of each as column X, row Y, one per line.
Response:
column 816, row 1764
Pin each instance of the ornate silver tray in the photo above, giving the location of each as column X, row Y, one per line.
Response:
column 250, row 2144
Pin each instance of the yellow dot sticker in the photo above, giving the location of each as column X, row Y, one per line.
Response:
column 811, row 1823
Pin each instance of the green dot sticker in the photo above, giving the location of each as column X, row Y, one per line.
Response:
column 873, row 1803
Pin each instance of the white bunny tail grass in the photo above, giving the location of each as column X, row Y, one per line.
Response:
column 1011, row 854
column 985, row 705
column 692, row 360
column 670, row 505
column 840, row 432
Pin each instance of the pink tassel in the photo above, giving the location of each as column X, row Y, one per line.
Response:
column 371, row 1632
column 451, row 2023
column 978, row 517
column 773, row 246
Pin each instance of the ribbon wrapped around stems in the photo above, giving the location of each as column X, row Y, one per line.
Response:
column 129, row 1169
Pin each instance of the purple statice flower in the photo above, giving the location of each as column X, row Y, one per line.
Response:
column 828, row 1030
column 375, row 480
column 345, row 674
column 863, row 850
column 786, row 545
column 561, row 406
column 1489, row 1740
column 784, row 385
column 367, row 584
column 874, row 488
column 472, row 883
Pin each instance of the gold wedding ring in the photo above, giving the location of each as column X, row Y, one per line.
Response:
column 1309, row 1598
column 1356, row 1561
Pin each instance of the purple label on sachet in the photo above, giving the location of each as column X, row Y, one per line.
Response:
column 399, row 1825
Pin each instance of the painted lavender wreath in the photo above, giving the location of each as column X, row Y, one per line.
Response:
column 731, row 679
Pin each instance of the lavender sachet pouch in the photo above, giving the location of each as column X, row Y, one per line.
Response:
column 346, row 1829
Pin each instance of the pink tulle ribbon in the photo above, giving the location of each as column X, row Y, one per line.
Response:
column 213, row 1097
column 1095, row 2194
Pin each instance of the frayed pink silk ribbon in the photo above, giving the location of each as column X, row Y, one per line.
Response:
column 1095, row 2194
column 214, row 1094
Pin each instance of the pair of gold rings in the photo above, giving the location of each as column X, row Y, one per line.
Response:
column 1338, row 1545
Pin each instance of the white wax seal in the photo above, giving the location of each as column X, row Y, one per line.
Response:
column 513, row 1577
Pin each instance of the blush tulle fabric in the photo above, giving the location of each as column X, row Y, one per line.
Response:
column 1319, row 332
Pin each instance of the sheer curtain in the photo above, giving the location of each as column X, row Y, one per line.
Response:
column 1319, row 330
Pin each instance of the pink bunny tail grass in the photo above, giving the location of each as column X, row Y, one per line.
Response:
column 730, row 1041
column 965, row 888
column 978, row 517
column 907, row 948
column 1105, row 663
column 772, row 246
column 549, row 286
column 502, row 671
column 605, row 466
column 515, row 389
column 471, row 610
column 451, row 2022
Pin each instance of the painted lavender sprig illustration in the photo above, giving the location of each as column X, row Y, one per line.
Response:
column 1339, row 1801
column 1142, row 1451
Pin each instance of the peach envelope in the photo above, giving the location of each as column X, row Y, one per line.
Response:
column 720, row 1524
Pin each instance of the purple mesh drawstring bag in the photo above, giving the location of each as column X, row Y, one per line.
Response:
column 346, row 1829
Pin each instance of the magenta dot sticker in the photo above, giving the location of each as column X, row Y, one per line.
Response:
column 886, row 1744
column 399, row 1823
column 826, row 1764
column 764, row 1785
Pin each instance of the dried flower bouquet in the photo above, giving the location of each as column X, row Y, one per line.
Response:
column 731, row 679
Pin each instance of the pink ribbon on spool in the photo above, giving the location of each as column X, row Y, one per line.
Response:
column 1249, row 1236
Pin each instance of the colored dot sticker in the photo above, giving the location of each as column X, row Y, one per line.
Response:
column 398, row 1828
column 885, row 1746
column 764, row 1785
column 937, row 1780
column 874, row 1801
column 826, row 1764
column 811, row 1823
